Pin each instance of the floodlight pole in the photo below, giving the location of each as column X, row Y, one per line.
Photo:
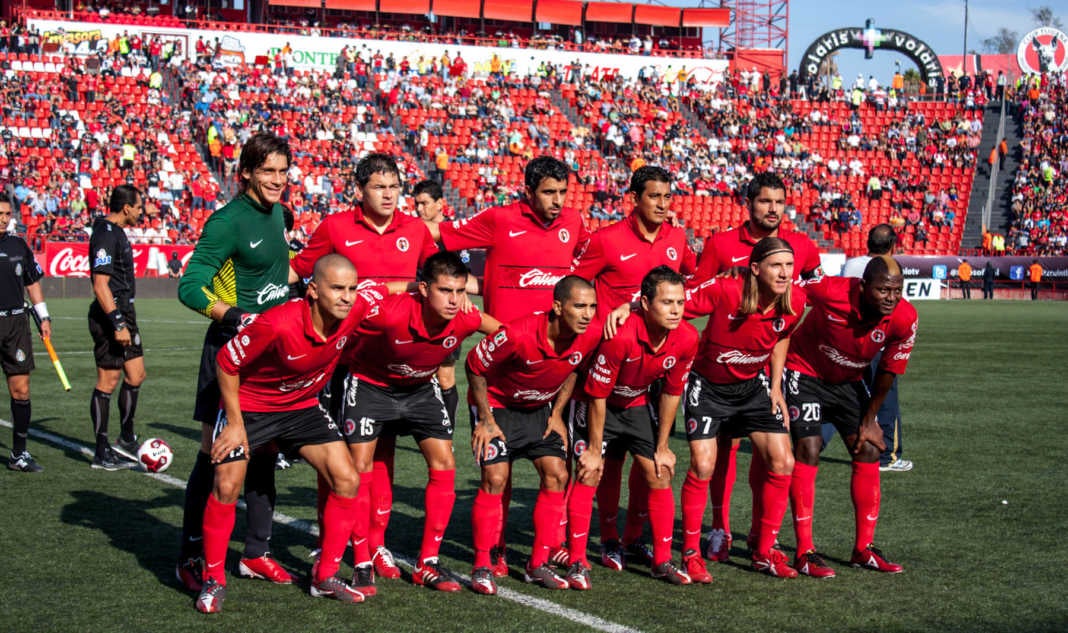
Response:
column 964, row 54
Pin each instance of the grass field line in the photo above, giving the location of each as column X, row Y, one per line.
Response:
column 200, row 321
column 63, row 353
column 539, row 604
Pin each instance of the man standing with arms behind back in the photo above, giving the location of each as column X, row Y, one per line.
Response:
column 240, row 266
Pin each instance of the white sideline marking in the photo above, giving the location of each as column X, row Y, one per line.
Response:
column 540, row 604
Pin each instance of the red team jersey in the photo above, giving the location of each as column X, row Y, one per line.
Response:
column 735, row 346
column 393, row 348
column 282, row 361
column 618, row 257
column 836, row 346
column 521, row 368
column 526, row 257
column 732, row 248
column 626, row 365
column 395, row 255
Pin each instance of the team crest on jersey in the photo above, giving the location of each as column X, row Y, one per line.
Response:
column 669, row 362
column 691, row 425
column 795, row 413
column 601, row 360
column 403, row 245
column 878, row 336
column 778, row 324
column 341, row 342
column 20, row 355
column 18, row 269
column 137, row 339
column 575, row 359
column 565, row 235
column 449, row 342
column 672, row 254
column 102, row 258
column 580, row 447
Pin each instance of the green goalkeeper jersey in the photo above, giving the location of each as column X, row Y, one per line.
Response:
column 241, row 258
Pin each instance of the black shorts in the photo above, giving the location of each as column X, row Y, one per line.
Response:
column 16, row 344
column 289, row 430
column 736, row 409
column 632, row 430
column 813, row 402
column 523, row 430
column 419, row 411
column 206, row 408
column 109, row 354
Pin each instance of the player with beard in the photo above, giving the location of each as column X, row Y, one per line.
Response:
column 520, row 381
column 726, row 254
column 270, row 375
column 617, row 259
column 653, row 344
column 398, row 351
column 239, row 267
column 731, row 393
column 387, row 248
column 530, row 245
column 850, row 322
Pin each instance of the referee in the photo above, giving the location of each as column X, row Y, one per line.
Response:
column 113, row 326
column 19, row 275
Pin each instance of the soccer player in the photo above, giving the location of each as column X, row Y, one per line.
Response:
column 240, row 266
column 730, row 393
column 117, row 344
column 653, row 344
column 617, row 259
column 20, row 275
column 530, row 245
column 393, row 388
column 850, row 322
column 385, row 247
column 520, row 380
column 727, row 253
column 270, row 375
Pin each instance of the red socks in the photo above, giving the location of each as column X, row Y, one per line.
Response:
column 218, row 525
column 694, row 500
column 506, row 501
column 866, row 497
column 637, row 506
column 723, row 483
column 381, row 489
column 579, row 512
column 662, row 517
column 773, row 497
column 758, row 471
column 608, row 499
column 486, row 515
column 361, row 550
column 338, row 517
column 439, row 500
column 547, row 512
column 803, row 500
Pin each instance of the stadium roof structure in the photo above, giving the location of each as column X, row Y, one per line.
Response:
column 567, row 12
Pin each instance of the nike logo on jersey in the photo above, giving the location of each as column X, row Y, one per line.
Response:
column 292, row 357
column 624, row 258
column 534, row 362
column 631, row 360
column 735, row 260
column 353, row 243
column 831, row 317
column 254, row 244
column 515, row 233
column 397, row 341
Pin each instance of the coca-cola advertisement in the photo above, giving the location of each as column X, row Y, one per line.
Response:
column 71, row 259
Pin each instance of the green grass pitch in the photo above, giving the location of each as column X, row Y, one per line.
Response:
column 979, row 524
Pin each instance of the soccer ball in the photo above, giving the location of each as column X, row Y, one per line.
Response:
column 155, row 455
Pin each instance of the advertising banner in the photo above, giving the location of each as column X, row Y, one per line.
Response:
column 71, row 259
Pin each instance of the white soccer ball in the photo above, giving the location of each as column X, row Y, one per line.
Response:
column 155, row 455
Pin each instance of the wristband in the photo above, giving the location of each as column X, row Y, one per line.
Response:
column 234, row 318
column 117, row 320
column 42, row 311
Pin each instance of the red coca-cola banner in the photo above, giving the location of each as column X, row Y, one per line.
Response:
column 71, row 259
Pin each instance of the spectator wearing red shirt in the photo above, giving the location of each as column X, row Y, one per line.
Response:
column 850, row 322
column 398, row 350
column 617, row 259
column 654, row 344
column 519, row 381
column 726, row 253
column 269, row 375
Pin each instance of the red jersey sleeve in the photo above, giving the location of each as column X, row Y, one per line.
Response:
column 250, row 342
column 675, row 380
column 701, row 301
column 490, row 352
column 590, row 262
column 475, row 232
column 707, row 262
column 902, row 338
column 688, row 265
column 320, row 244
column 605, row 369
column 429, row 248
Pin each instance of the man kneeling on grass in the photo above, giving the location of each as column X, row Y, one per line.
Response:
column 269, row 376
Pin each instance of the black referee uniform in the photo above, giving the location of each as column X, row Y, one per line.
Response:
column 18, row 269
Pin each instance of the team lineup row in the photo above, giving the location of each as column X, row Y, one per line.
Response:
column 549, row 287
